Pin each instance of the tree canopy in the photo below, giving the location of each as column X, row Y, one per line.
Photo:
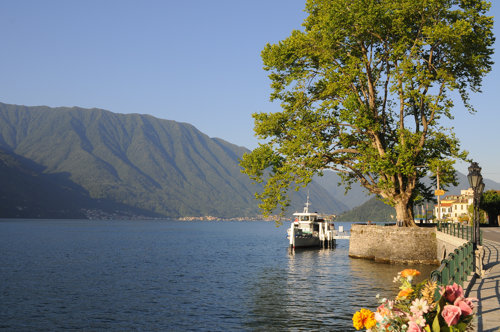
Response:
column 363, row 87
column 490, row 203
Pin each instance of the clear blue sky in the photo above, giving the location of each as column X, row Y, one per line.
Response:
column 194, row 61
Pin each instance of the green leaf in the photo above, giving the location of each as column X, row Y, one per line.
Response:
column 436, row 323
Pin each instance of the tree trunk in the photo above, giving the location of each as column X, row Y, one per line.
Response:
column 404, row 213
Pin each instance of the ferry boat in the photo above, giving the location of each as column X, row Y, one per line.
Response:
column 310, row 229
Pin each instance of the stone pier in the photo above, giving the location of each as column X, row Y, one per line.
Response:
column 391, row 244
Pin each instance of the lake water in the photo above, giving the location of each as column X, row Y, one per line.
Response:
column 178, row 276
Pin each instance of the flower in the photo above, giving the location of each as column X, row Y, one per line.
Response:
column 384, row 314
column 410, row 273
column 418, row 319
column 415, row 308
column 364, row 318
column 452, row 292
column 419, row 306
column 404, row 293
column 412, row 327
column 428, row 293
column 451, row 314
column 383, row 310
column 465, row 305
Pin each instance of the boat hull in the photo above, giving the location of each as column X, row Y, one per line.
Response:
column 307, row 241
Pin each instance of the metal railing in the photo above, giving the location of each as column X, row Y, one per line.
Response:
column 457, row 267
column 459, row 264
column 458, row 230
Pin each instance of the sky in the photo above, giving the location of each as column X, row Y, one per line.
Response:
column 193, row 61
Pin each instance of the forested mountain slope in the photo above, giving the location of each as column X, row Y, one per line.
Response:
column 134, row 161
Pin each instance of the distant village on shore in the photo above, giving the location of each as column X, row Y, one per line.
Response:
column 455, row 208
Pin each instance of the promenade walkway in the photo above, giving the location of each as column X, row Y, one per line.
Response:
column 487, row 290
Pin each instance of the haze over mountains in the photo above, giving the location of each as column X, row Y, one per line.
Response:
column 91, row 163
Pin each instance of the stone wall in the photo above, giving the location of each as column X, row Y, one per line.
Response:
column 391, row 244
column 447, row 244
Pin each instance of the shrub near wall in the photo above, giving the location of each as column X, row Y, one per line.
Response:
column 391, row 244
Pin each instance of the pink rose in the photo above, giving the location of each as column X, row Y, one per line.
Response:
column 414, row 327
column 451, row 314
column 465, row 305
column 452, row 292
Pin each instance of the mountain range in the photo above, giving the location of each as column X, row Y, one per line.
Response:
column 91, row 163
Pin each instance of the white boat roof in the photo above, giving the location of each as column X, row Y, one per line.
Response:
column 306, row 214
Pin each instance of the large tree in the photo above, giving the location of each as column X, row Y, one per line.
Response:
column 363, row 87
column 490, row 203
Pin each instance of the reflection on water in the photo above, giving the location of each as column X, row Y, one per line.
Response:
column 320, row 289
column 298, row 295
column 369, row 277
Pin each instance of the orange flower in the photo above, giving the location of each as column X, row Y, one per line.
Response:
column 364, row 318
column 409, row 273
column 404, row 293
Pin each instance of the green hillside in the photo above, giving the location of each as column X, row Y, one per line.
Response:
column 128, row 163
column 372, row 210
column 27, row 192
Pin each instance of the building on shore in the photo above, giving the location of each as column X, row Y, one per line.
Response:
column 455, row 208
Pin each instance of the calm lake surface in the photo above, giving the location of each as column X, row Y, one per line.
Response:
column 179, row 276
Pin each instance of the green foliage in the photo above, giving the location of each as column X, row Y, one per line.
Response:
column 436, row 322
column 490, row 203
column 470, row 215
column 363, row 87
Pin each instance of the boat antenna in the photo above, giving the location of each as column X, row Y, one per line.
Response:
column 306, row 208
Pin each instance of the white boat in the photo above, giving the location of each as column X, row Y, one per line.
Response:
column 310, row 229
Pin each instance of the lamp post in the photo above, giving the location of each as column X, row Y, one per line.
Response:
column 480, row 190
column 477, row 185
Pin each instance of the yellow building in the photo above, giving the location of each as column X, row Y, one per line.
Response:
column 455, row 207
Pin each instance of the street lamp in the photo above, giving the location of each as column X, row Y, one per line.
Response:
column 477, row 185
